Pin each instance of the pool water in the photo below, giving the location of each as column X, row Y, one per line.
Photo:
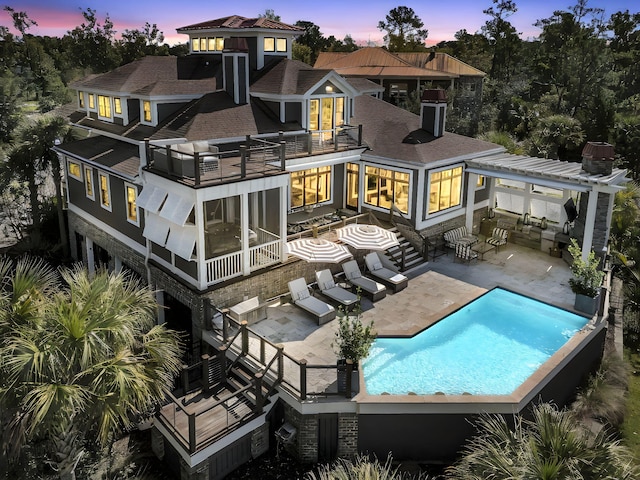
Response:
column 488, row 347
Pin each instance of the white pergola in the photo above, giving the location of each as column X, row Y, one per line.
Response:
column 557, row 174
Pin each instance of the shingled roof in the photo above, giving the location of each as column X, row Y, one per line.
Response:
column 236, row 22
column 385, row 126
column 288, row 77
column 442, row 62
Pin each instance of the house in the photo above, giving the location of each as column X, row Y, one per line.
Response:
column 194, row 170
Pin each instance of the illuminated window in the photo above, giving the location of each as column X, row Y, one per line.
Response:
column 269, row 44
column 203, row 44
column 314, row 114
column 219, row 44
column 146, row 106
column 386, row 187
column 132, row 207
column 195, row 44
column 339, row 111
column 105, row 194
column 480, row 182
column 353, row 179
column 81, row 99
column 117, row 106
column 104, row 106
column 74, row 170
column 445, row 189
column 309, row 187
column 92, row 101
column 88, row 182
column 281, row 44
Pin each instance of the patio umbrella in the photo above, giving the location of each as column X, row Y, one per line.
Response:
column 367, row 237
column 318, row 250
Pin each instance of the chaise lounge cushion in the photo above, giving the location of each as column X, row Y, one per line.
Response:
column 300, row 297
column 329, row 289
column 395, row 280
column 370, row 287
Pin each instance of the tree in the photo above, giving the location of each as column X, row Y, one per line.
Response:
column 81, row 360
column 270, row 14
column 555, row 135
column 503, row 38
column 92, row 44
column 552, row 445
column 136, row 44
column 312, row 38
column 404, row 30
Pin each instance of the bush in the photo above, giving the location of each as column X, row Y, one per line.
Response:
column 587, row 278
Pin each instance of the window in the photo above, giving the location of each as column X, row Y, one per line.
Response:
column 81, row 99
column 386, row 187
column 74, row 170
column 269, row 44
column 445, row 189
column 480, row 182
column 195, row 44
column 353, row 177
column 309, row 187
column 146, row 106
column 92, row 101
column 219, row 44
column 88, row 182
column 117, row 106
column 281, row 44
column 339, row 111
column 314, row 114
column 203, row 44
column 132, row 207
column 215, row 44
column 105, row 194
column 104, row 106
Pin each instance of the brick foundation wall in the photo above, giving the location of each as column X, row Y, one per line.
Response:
column 347, row 434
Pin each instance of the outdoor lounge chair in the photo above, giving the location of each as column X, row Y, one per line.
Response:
column 392, row 279
column 329, row 289
column 498, row 237
column 465, row 253
column 301, row 297
column 369, row 287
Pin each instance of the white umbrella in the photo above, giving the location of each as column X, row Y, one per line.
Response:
column 367, row 237
column 318, row 250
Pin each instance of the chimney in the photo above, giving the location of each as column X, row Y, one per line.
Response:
column 597, row 158
column 433, row 111
column 235, row 69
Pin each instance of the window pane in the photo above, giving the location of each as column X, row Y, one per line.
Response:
column 203, row 44
column 219, row 44
column 211, row 46
column 81, row 99
column 92, row 101
column 117, row 105
column 132, row 210
column 105, row 199
column 314, row 114
column 104, row 106
column 269, row 44
column 74, row 170
column 195, row 44
column 88, row 178
column 147, row 110
column 445, row 189
column 339, row 111
column 281, row 45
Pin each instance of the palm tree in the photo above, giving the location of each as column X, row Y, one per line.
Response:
column 550, row 446
column 79, row 362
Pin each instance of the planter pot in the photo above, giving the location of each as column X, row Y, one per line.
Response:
column 342, row 375
column 587, row 304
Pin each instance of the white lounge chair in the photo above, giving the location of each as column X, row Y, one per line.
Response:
column 301, row 297
column 391, row 278
column 369, row 287
column 329, row 289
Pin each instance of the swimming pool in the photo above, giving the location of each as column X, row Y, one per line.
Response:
column 488, row 347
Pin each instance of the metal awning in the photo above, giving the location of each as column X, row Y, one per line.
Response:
column 151, row 198
column 544, row 171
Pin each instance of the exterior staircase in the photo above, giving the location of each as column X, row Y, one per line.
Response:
column 412, row 257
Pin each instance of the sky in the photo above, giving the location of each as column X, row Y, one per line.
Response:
column 357, row 18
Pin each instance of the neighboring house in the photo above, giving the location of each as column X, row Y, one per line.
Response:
column 401, row 73
column 194, row 169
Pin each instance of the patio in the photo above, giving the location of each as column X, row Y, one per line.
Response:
column 435, row 289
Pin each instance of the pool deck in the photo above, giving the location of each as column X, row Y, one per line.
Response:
column 435, row 290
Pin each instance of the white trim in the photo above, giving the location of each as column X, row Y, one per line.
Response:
column 127, row 186
column 79, row 164
column 426, row 214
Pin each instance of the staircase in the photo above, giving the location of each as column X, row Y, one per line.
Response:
column 412, row 257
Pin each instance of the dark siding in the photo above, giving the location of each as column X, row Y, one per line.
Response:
column 161, row 252
column 228, row 68
column 242, row 80
column 165, row 110
column 428, row 118
column 327, row 436
column 252, row 43
column 230, row 458
column 293, row 112
column 133, row 106
column 273, row 107
column 190, row 268
column 337, row 196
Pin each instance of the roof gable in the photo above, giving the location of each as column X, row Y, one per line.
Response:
column 237, row 22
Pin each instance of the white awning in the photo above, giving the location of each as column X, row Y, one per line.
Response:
column 156, row 229
column 151, row 198
column 177, row 208
column 182, row 240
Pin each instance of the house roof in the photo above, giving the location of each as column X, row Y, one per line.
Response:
column 236, row 22
column 385, row 126
column 364, row 86
column 288, row 77
column 215, row 115
column 116, row 155
column 153, row 75
column 442, row 62
column 376, row 62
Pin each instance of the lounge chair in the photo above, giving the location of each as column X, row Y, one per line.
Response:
column 301, row 297
column 465, row 253
column 459, row 235
column 394, row 280
column 369, row 287
column 498, row 237
column 329, row 289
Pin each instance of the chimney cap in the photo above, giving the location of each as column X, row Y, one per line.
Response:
column 434, row 95
column 598, row 151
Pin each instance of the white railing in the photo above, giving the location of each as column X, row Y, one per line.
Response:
column 224, row 267
column 265, row 254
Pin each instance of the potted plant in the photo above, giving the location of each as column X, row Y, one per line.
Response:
column 587, row 279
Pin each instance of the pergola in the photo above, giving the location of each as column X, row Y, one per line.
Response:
column 557, row 174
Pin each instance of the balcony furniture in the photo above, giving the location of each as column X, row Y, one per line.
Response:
column 459, row 235
column 482, row 248
column 498, row 237
column 250, row 310
column 392, row 279
column 465, row 253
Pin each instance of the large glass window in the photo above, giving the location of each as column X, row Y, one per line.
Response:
column 146, row 105
column 269, row 44
column 385, row 187
column 325, row 114
column 309, row 187
column 445, row 189
column 353, row 180
column 223, row 234
column 104, row 106
column 132, row 207
column 105, row 194
column 314, row 114
column 281, row 44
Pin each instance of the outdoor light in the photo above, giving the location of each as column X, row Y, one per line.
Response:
column 328, row 89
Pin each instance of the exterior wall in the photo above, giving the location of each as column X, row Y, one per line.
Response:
column 293, row 112
column 347, row 434
column 600, row 228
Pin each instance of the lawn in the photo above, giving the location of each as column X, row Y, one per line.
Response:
column 631, row 425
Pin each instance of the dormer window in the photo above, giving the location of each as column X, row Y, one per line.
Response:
column 146, row 106
column 81, row 99
column 92, row 101
column 117, row 106
column 272, row 44
column 104, row 106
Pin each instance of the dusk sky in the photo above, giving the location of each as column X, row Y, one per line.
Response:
column 335, row 17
